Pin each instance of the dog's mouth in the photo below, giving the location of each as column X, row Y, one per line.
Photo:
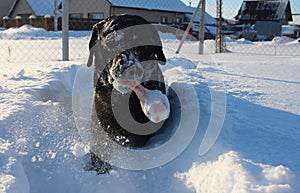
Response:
column 154, row 103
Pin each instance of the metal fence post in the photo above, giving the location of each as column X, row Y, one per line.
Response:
column 219, row 39
column 188, row 28
column 202, row 27
column 65, row 29
column 55, row 16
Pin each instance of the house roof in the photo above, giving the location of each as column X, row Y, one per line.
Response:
column 40, row 8
column 208, row 18
column 5, row 6
column 162, row 5
column 44, row 7
column 267, row 10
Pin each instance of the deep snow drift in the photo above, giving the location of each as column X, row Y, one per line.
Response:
column 258, row 150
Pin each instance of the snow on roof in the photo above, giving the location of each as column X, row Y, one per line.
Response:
column 163, row 5
column 42, row 8
column 208, row 18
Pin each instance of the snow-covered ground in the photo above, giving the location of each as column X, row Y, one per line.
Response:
column 258, row 150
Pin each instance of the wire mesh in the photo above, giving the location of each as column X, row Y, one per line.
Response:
column 31, row 30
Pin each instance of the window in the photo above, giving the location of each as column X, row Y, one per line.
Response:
column 178, row 20
column 164, row 19
column 76, row 15
column 96, row 15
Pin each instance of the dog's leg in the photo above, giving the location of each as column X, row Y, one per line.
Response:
column 99, row 166
column 100, row 144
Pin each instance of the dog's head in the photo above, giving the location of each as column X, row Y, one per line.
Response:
column 128, row 48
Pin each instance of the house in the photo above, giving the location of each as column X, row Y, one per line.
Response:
column 155, row 11
column 265, row 10
column 25, row 8
column 84, row 14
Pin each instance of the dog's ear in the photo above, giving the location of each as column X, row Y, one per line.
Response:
column 93, row 40
column 95, row 33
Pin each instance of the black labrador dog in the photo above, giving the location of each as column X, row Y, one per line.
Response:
column 124, row 47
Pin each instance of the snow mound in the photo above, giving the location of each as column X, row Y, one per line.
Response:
column 281, row 40
column 244, row 41
column 28, row 32
column 167, row 36
column 12, row 176
column 181, row 62
column 231, row 173
column 58, row 87
column 296, row 41
column 238, row 41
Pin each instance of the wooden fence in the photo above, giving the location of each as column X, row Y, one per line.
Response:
column 74, row 23
column 48, row 23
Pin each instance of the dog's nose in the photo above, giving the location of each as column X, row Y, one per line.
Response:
column 122, row 59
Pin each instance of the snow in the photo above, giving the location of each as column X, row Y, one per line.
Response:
column 28, row 32
column 234, row 174
column 166, row 5
column 208, row 19
column 257, row 151
column 12, row 176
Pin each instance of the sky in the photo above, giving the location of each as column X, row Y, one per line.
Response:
column 231, row 7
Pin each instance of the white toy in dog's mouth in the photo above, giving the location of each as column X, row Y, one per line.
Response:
column 154, row 103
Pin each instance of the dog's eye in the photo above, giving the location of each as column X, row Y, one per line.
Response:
column 137, row 52
column 123, row 59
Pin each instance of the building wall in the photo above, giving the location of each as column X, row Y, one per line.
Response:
column 151, row 16
column 21, row 8
column 89, row 6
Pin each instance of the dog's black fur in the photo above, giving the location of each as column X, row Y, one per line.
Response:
column 111, row 64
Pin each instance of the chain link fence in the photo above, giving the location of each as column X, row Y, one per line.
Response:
column 31, row 30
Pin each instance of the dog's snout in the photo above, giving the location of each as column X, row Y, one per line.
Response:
column 126, row 66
